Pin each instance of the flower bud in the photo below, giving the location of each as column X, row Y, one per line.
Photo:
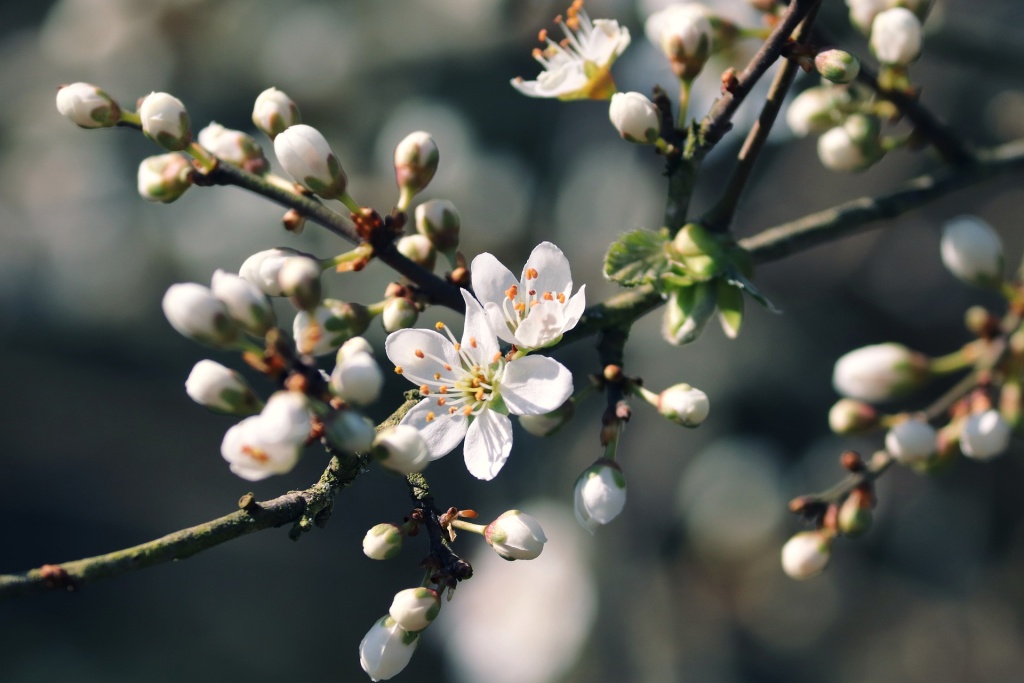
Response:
column 349, row 431
column 416, row 160
column 985, row 435
column 399, row 313
column 548, row 423
column 684, row 33
column 164, row 178
column 438, row 221
column 234, row 147
column 837, row 66
column 684, row 405
column 221, row 389
column 401, row 449
column 382, row 542
column 329, row 325
column 357, row 379
column 262, row 268
column 353, row 346
column 308, row 159
column 274, row 111
column 863, row 12
column 246, row 304
column 635, row 117
column 516, row 535
column 196, row 313
column 815, row 110
column 851, row 147
column 972, row 251
column 896, row 36
column 912, row 442
column 386, row 649
column 165, row 121
column 418, row 249
column 688, row 311
column 254, row 457
column 87, row 106
column 879, row 372
column 806, row 554
column 855, row 516
column 414, row 608
column 285, row 418
column 600, row 494
column 299, row 279
column 849, row 416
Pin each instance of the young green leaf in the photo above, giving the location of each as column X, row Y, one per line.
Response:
column 637, row 257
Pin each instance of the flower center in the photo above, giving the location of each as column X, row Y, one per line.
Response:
column 577, row 28
column 517, row 303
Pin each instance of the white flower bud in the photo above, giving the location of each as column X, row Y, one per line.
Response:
column 815, row 110
column 382, row 542
column 285, row 418
column 985, row 435
column 438, row 221
column 548, row 423
column 879, row 372
column 401, row 449
column 684, row 405
column 849, row 416
column 165, row 121
column 262, row 269
column 246, row 304
column 299, row 279
column 305, row 155
column 806, row 554
column 688, row 311
column 418, row 249
column 87, row 106
column 600, row 494
column 837, row 66
column 196, row 313
column 349, row 431
column 386, row 649
column 234, row 147
column 972, row 251
column 851, row 147
column 684, row 34
column 164, row 178
column 912, row 442
column 863, row 12
column 516, row 535
column 221, row 389
column 399, row 313
column 416, row 158
column 328, row 326
column 414, row 608
column 254, row 457
column 274, row 111
column 357, row 379
column 896, row 36
column 635, row 117
column 353, row 346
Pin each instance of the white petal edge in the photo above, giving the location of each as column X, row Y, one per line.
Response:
column 401, row 347
column 491, row 279
column 496, row 316
column 478, row 328
column 488, row 443
column 535, row 385
column 443, row 433
column 552, row 267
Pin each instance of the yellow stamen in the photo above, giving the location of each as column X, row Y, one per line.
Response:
column 439, row 325
column 496, row 357
column 430, row 417
column 437, row 376
column 547, row 296
column 467, row 411
column 472, row 342
column 479, row 395
column 425, row 390
column 561, row 298
column 531, row 274
column 441, row 401
column 399, row 370
column 447, row 367
column 256, row 454
column 418, row 353
column 443, row 389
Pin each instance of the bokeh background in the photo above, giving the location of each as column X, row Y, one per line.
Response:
column 102, row 449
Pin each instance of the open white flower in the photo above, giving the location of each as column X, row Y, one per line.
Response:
column 578, row 67
column 271, row 442
column 470, row 388
column 534, row 311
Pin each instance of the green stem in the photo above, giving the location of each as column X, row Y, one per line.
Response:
column 469, row 526
column 351, row 204
column 207, row 162
column 685, row 86
column 362, row 252
column 960, row 359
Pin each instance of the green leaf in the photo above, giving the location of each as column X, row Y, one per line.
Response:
column 730, row 308
column 637, row 257
column 738, row 279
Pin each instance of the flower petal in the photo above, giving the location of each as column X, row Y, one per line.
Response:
column 402, row 347
column 442, row 433
column 535, row 385
column 499, row 323
column 542, row 327
column 478, row 338
column 552, row 270
column 488, row 443
column 574, row 308
column 491, row 279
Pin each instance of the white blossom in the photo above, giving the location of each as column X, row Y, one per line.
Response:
column 600, row 495
column 307, row 157
column 972, row 250
column 386, row 649
column 516, row 535
column 196, row 313
column 87, row 106
column 357, row 378
column 326, row 327
column 246, row 304
column 911, row 442
column 414, row 608
column 806, row 554
column 401, row 449
column 896, row 36
column 271, row 442
column 684, row 34
column 985, row 435
column 218, row 388
column 262, row 269
column 165, row 121
column 635, row 117
column 274, row 111
column 879, row 372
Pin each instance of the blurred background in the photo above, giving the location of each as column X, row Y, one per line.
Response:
column 102, row 449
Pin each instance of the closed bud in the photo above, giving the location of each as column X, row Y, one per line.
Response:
column 164, row 178
column 516, row 535
column 548, row 423
column 972, row 251
column 852, row 146
column 863, row 12
column 305, row 155
column 234, row 147
column 165, row 121
column 196, row 313
column 418, row 249
column 286, row 418
column 684, row 405
column 246, row 304
column 850, row 416
column 353, row 346
column 401, row 449
column 399, row 313
column 414, row 608
column 816, row 110
column 806, row 554
column 896, row 36
column 880, row 372
column 684, row 34
column 912, row 442
column 688, row 311
column 600, row 494
column 855, row 516
column 635, row 117
column 262, row 268
column 438, row 221
column 416, row 160
column 985, row 435
column 837, row 66
column 386, row 649
column 357, row 378
column 87, row 106
column 274, row 111
column 382, row 542
column 221, row 389
column 299, row 279
column 350, row 432
column 329, row 325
